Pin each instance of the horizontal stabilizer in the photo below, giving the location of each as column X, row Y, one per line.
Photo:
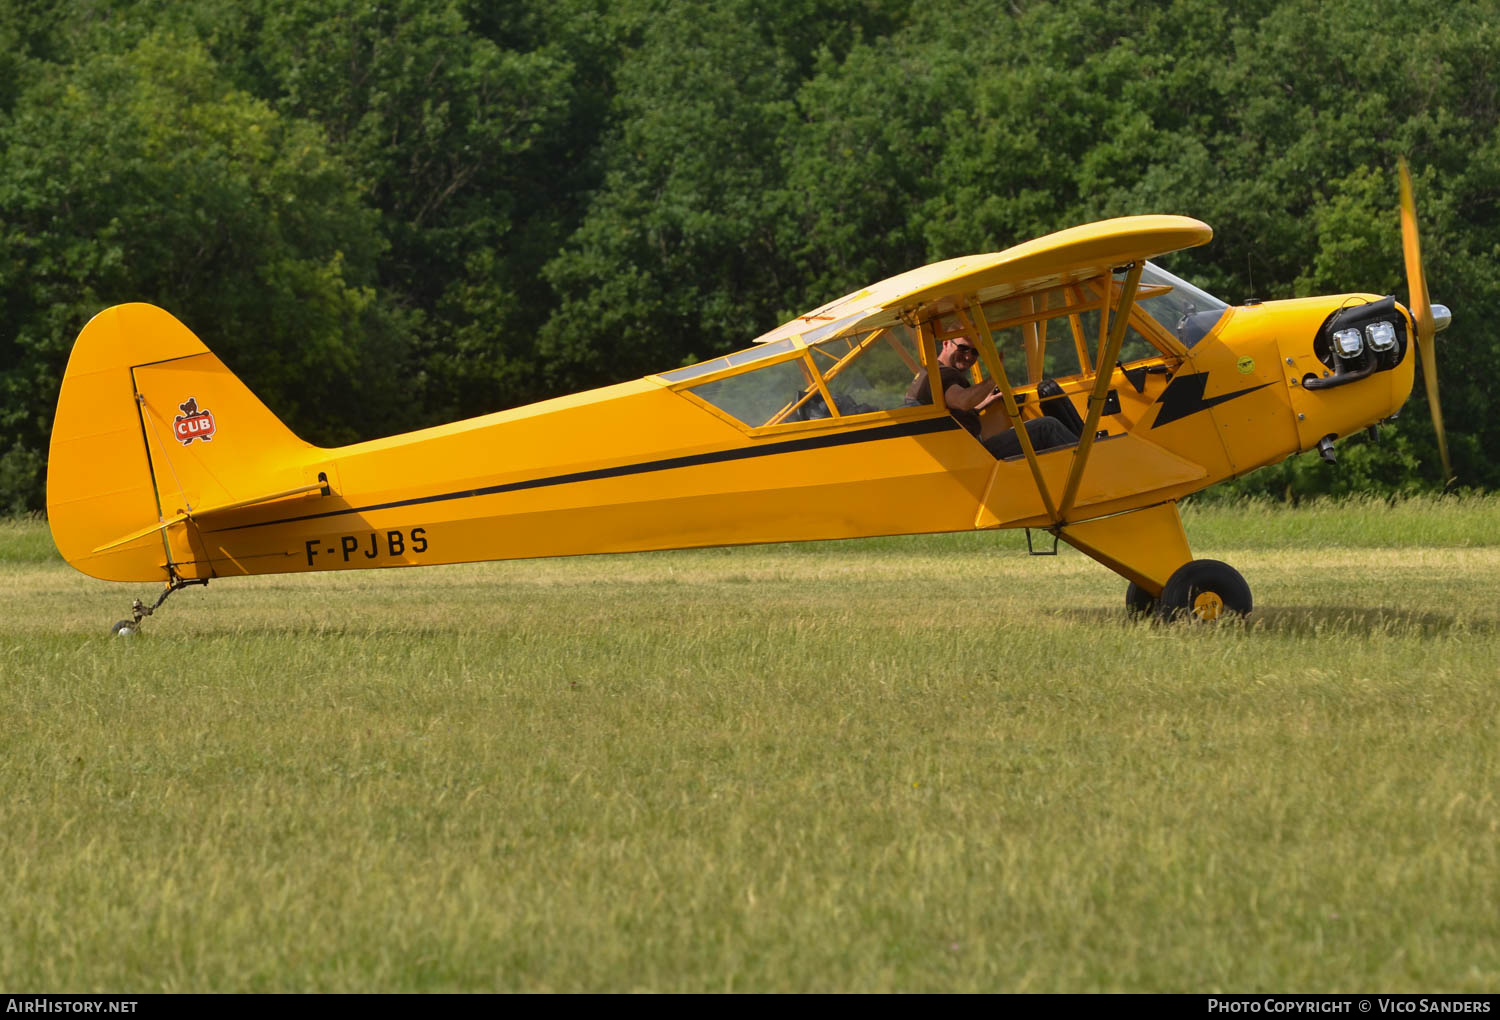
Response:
column 321, row 488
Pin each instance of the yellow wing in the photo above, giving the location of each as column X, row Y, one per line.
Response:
column 1068, row 256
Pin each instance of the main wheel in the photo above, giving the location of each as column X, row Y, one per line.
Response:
column 1139, row 601
column 1204, row 590
column 125, row 628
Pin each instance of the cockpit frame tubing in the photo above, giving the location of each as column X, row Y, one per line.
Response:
column 811, row 367
column 1034, row 335
column 1108, row 355
column 911, row 363
column 1077, row 304
column 928, row 342
column 842, row 362
column 810, row 375
column 1075, row 325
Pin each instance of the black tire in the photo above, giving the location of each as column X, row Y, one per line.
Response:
column 126, row 626
column 1204, row 590
column 1138, row 601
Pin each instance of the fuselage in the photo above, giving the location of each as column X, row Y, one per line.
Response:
column 639, row 466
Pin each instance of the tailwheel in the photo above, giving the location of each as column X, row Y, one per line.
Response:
column 1204, row 590
column 139, row 610
column 1139, row 601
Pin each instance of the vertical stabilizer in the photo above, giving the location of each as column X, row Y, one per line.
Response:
column 151, row 425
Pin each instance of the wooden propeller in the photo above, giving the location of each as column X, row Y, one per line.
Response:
column 1421, row 311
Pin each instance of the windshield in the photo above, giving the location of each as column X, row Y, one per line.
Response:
column 1183, row 310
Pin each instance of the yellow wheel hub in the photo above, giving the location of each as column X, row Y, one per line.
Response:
column 1208, row 606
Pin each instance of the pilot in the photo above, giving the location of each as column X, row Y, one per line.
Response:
column 965, row 400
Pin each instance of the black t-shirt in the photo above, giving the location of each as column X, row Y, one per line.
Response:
column 920, row 392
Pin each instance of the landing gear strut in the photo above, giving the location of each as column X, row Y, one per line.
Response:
column 139, row 610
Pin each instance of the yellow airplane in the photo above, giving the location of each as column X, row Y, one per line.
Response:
column 165, row 467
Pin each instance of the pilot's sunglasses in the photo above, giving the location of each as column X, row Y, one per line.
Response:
column 966, row 349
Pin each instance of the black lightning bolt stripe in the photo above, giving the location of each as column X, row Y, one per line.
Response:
column 913, row 428
column 1184, row 396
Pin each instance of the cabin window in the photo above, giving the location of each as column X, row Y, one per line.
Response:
column 1039, row 336
column 1133, row 347
column 1044, row 349
column 761, row 396
column 868, row 371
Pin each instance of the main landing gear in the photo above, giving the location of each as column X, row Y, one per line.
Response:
column 1197, row 590
column 139, row 610
column 1148, row 546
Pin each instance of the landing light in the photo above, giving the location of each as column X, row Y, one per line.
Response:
column 1347, row 343
column 1382, row 336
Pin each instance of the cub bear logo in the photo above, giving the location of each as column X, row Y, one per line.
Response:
column 192, row 423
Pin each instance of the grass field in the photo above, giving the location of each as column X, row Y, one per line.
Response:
column 906, row 764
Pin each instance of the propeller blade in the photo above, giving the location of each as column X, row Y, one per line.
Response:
column 1421, row 311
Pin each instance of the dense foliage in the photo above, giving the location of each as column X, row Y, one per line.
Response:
column 387, row 213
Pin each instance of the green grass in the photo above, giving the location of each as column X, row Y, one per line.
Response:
column 906, row 764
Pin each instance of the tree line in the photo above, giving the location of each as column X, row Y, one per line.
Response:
column 384, row 214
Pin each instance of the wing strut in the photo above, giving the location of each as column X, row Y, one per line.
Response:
column 1108, row 355
column 1008, row 398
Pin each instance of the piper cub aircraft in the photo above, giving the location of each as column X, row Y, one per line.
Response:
column 165, row 467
